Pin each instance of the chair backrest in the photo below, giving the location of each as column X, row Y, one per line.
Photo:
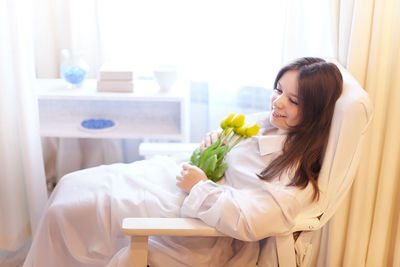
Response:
column 353, row 114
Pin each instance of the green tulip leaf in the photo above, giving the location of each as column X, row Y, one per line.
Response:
column 221, row 151
column 220, row 171
column 205, row 155
column 210, row 165
column 194, row 159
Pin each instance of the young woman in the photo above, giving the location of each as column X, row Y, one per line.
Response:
column 270, row 179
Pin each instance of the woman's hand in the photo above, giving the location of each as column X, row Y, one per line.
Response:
column 209, row 139
column 189, row 177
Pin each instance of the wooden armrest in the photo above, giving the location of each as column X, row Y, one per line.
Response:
column 139, row 229
column 167, row 227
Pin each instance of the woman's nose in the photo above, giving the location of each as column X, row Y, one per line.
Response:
column 277, row 102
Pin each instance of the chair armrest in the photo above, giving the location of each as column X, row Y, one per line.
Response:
column 139, row 229
column 167, row 227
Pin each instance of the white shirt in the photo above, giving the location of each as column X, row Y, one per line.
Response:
column 244, row 206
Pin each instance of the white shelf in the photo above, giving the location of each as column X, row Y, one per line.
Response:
column 145, row 113
column 144, row 90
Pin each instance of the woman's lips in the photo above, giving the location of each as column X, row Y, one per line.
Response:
column 277, row 115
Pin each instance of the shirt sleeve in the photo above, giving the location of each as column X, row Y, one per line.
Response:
column 245, row 214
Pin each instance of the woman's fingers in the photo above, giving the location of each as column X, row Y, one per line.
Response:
column 185, row 166
column 213, row 137
column 202, row 147
column 205, row 143
column 209, row 139
column 190, row 176
column 186, row 169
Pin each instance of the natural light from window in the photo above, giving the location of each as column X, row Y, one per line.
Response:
column 230, row 41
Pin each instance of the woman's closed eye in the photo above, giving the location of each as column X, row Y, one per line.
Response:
column 293, row 101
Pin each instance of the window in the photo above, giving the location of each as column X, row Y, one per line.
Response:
column 224, row 45
column 235, row 41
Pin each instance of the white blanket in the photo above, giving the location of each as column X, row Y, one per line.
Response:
column 82, row 225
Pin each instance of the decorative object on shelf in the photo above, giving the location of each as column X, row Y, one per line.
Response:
column 73, row 68
column 97, row 125
column 165, row 76
column 211, row 159
column 115, row 79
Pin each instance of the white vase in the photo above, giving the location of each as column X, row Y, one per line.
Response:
column 165, row 76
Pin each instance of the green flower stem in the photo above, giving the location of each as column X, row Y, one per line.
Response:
column 226, row 136
column 220, row 160
column 234, row 144
column 229, row 149
column 233, row 136
column 228, row 131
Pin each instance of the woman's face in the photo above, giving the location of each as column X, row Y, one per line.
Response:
column 285, row 110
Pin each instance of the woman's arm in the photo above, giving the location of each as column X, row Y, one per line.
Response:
column 245, row 214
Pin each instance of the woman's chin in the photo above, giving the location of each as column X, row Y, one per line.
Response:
column 282, row 128
column 274, row 122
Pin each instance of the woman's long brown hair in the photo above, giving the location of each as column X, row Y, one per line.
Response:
column 319, row 86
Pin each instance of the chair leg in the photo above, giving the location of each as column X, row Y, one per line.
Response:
column 138, row 251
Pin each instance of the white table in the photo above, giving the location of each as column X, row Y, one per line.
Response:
column 146, row 113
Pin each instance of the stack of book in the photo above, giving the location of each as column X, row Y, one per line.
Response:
column 115, row 79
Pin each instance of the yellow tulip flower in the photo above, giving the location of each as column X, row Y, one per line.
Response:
column 227, row 120
column 237, row 120
column 241, row 130
column 252, row 130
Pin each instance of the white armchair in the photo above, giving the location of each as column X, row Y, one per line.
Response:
column 352, row 116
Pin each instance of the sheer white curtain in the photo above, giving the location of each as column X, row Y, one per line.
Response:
column 73, row 25
column 23, row 193
column 310, row 29
column 366, row 230
column 65, row 24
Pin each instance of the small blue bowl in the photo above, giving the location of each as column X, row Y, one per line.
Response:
column 97, row 124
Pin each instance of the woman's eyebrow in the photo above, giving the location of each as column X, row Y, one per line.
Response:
column 278, row 85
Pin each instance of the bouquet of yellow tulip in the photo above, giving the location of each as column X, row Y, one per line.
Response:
column 210, row 160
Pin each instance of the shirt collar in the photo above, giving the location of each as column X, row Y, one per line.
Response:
column 268, row 144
